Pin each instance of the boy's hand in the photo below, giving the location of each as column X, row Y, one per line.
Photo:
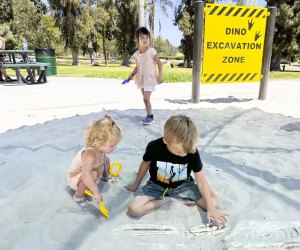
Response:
column 131, row 187
column 98, row 197
column 217, row 216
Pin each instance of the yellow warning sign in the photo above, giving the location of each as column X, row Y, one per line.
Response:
column 233, row 43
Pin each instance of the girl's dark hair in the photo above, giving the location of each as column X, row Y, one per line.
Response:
column 141, row 30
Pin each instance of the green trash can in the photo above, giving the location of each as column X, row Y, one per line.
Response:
column 47, row 56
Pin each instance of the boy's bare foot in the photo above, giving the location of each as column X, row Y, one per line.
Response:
column 189, row 203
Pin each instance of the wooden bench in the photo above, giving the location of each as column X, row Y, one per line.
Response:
column 30, row 68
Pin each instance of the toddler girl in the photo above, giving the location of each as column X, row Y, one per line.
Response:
column 91, row 162
column 146, row 59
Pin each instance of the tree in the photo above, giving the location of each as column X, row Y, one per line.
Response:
column 36, row 27
column 47, row 35
column 6, row 11
column 95, row 18
column 164, row 47
column 286, row 41
column 126, row 24
column 24, row 22
column 5, row 32
column 73, row 21
column 40, row 6
column 106, row 26
column 184, row 19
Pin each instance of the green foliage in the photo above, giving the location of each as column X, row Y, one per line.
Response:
column 177, row 57
column 83, row 22
column 74, row 21
column 5, row 32
column 40, row 6
column 184, row 19
column 164, row 47
column 24, row 21
column 68, row 18
column 126, row 24
column 101, row 33
column 286, row 39
column 47, row 34
column 6, row 13
column 30, row 23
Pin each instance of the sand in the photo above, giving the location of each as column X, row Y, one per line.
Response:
column 250, row 150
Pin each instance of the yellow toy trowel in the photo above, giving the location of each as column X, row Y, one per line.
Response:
column 102, row 208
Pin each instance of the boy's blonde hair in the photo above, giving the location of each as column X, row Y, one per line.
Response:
column 101, row 131
column 180, row 129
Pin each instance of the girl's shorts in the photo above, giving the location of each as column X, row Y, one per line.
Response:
column 188, row 190
column 73, row 181
column 150, row 88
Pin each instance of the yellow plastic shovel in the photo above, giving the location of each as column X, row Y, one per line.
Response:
column 102, row 208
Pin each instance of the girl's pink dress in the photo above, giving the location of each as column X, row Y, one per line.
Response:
column 146, row 72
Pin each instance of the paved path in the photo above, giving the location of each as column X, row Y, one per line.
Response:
column 66, row 96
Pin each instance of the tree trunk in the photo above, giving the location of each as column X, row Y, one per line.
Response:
column 275, row 61
column 241, row 2
column 125, row 61
column 104, row 47
column 189, row 61
column 90, row 51
column 141, row 11
column 75, row 57
column 188, row 52
column 151, row 22
column 184, row 65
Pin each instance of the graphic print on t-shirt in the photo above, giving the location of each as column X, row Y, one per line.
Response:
column 168, row 172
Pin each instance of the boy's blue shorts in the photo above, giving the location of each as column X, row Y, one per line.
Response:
column 187, row 190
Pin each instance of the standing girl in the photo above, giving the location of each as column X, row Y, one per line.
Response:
column 146, row 59
column 91, row 162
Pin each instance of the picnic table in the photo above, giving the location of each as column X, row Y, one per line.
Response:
column 13, row 53
column 36, row 71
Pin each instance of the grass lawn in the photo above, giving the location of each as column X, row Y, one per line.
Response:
column 169, row 74
column 115, row 71
column 285, row 75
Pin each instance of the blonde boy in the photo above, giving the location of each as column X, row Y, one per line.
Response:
column 170, row 161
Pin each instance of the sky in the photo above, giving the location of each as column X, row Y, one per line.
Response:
column 170, row 31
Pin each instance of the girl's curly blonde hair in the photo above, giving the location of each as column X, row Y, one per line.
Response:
column 180, row 129
column 101, row 131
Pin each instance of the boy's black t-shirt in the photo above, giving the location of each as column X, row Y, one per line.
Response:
column 167, row 169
